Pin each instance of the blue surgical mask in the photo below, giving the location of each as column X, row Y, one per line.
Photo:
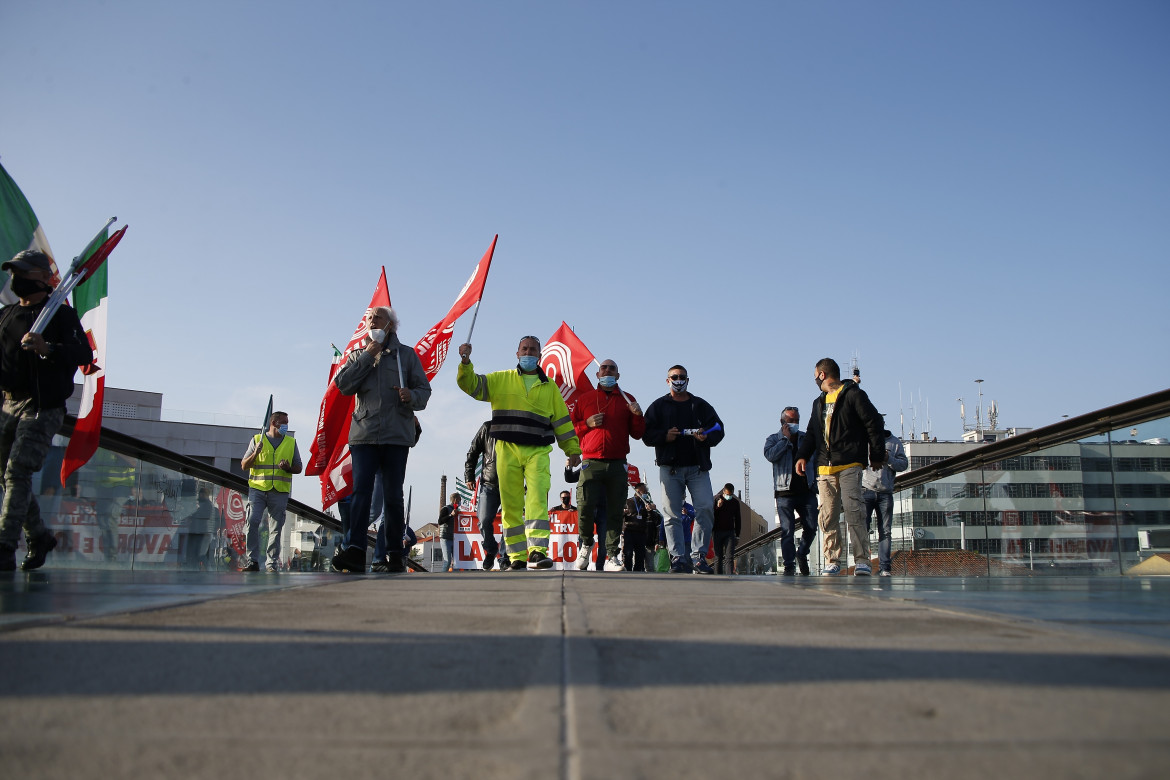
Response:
column 528, row 362
column 283, row 430
column 607, row 381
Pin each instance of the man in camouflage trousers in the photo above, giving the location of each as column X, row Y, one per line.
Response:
column 36, row 375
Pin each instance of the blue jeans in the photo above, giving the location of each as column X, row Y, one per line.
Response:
column 377, row 510
column 449, row 552
column 389, row 460
column 791, row 511
column 486, row 507
column 883, row 504
column 676, row 481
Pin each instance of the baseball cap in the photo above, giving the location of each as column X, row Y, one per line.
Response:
column 29, row 260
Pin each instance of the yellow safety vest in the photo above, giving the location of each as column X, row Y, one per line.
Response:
column 265, row 474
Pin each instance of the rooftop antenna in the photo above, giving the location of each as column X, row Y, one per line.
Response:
column 747, row 481
column 979, row 408
column 962, row 413
column 993, row 415
column 854, row 370
column 901, row 417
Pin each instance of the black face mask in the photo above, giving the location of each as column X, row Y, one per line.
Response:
column 26, row 287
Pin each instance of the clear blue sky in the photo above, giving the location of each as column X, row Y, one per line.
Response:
column 950, row 191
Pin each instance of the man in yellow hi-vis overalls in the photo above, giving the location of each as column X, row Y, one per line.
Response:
column 528, row 414
column 271, row 460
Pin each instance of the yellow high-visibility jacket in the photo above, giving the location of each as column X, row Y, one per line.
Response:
column 265, row 474
column 534, row 417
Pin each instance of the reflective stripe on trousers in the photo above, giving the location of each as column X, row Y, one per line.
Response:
column 525, row 512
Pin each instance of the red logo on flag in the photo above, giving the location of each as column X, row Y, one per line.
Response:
column 564, row 360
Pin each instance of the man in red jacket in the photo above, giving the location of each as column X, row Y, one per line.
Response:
column 604, row 419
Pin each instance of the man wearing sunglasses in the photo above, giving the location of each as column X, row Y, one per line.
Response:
column 682, row 428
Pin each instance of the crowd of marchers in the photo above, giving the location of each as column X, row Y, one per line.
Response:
column 844, row 461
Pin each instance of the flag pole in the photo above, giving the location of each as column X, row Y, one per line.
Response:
column 487, row 271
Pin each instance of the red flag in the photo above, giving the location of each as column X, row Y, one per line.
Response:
column 565, row 359
column 633, row 476
column 232, row 508
column 432, row 347
column 331, row 443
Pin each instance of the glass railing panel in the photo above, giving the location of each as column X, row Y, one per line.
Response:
column 1037, row 518
column 123, row 512
column 1134, row 502
column 765, row 559
column 941, row 528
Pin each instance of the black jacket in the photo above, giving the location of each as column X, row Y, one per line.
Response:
column 666, row 413
column 727, row 517
column 24, row 374
column 856, row 430
column 483, row 444
column 446, row 522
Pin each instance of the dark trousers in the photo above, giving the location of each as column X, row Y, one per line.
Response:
column 487, row 506
column 634, row 549
column 368, row 460
column 796, row 511
column 25, row 436
column 603, row 484
column 725, row 552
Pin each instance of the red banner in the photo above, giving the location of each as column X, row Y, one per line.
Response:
column 633, row 476
column 565, row 359
column 432, row 347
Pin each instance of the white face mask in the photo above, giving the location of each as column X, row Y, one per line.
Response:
column 378, row 335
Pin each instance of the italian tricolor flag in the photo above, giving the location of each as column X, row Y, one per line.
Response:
column 91, row 303
column 19, row 230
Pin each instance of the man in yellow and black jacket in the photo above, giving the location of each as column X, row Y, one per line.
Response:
column 528, row 415
column 271, row 460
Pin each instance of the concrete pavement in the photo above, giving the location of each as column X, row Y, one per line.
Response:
column 588, row 675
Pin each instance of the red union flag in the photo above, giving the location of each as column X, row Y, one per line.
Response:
column 330, row 444
column 432, row 347
column 232, row 508
column 633, row 476
column 564, row 360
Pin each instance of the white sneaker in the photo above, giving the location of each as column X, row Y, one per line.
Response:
column 583, row 557
column 614, row 564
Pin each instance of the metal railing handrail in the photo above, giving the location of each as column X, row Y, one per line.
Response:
column 1111, row 418
column 1139, row 410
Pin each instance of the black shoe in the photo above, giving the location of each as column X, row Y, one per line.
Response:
column 7, row 558
column 538, row 560
column 520, row 565
column 802, row 562
column 379, row 566
column 351, row 559
column 37, row 551
column 789, row 571
column 395, row 563
column 253, row 566
column 489, row 562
